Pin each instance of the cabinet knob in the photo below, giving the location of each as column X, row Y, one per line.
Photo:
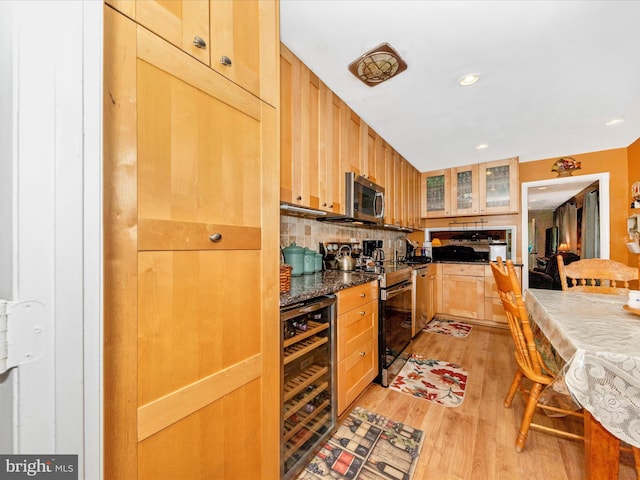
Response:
column 298, row 198
column 362, row 314
column 331, row 206
column 226, row 61
column 362, row 354
column 216, row 237
column 324, row 204
column 199, row 42
column 362, row 295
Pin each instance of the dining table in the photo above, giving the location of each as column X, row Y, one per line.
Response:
column 598, row 340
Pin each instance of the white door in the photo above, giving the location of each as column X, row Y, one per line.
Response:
column 50, row 223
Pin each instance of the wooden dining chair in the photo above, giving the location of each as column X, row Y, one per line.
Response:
column 596, row 275
column 528, row 359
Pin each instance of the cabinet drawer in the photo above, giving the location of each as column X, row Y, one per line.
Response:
column 356, row 296
column 463, row 269
column 353, row 325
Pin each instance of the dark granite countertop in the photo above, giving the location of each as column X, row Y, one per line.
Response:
column 306, row 287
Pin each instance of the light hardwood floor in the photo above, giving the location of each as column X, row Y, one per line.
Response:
column 477, row 439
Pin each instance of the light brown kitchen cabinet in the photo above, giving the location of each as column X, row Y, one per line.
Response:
column 435, row 194
column 463, row 290
column 351, row 142
column 424, row 297
column 498, row 186
column 432, row 289
column 312, row 142
column 357, row 339
column 464, row 190
column 190, row 208
column 493, row 309
column 482, row 189
column 233, row 38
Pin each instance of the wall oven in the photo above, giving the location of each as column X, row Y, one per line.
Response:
column 395, row 320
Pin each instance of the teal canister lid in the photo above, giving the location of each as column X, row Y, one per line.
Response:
column 294, row 256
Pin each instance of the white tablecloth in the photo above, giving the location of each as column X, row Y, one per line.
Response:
column 600, row 343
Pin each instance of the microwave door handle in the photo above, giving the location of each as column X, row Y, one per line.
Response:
column 380, row 195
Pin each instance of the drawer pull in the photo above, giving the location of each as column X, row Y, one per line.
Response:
column 216, row 237
column 362, row 354
column 362, row 295
column 226, row 61
column 199, row 42
column 363, row 313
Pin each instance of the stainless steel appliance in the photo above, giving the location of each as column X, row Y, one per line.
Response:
column 395, row 320
column 364, row 202
column 309, row 403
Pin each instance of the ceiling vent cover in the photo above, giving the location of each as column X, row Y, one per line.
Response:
column 377, row 65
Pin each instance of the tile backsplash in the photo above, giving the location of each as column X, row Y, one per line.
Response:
column 309, row 233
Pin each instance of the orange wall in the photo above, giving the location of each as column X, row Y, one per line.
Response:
column 634, row 176
column 613, row 161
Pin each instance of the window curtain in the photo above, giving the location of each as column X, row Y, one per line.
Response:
column 566, row 219
column 591, row 226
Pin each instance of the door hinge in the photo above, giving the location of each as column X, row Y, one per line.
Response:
column 22, row 333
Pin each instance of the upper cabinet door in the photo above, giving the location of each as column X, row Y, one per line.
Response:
column 184, row 23
column 435, row 194
column 236, row 41
column 464, row 190
column 498, row 186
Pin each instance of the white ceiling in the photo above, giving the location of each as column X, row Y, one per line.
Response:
column 552, row 73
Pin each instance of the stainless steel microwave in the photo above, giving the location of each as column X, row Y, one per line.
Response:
column 364, row 200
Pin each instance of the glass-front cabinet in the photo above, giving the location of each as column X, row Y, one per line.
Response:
column 479, row 189
column 498, row 186
column 435, row 194
column 464, row 190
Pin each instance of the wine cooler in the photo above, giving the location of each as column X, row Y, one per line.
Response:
column 309, row 407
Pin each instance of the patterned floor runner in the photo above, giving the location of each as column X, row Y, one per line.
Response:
column 448, row 327
column 367, row 446
column 434, row 380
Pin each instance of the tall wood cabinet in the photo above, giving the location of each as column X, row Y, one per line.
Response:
column 191, row 213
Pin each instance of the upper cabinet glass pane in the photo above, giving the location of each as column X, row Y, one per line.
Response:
column 497, row 185
column 464, row 199
column 436, row 193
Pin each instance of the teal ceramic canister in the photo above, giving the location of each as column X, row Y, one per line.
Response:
column 309, row 261
column 294, row 256
column 318, row 262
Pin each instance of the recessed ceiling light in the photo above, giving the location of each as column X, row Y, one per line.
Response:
column 482, row 146
column 615, row 121
column 469, row 79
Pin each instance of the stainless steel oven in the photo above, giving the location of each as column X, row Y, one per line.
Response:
column 395, row 320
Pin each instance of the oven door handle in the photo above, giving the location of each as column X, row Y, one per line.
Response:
column 388, row 293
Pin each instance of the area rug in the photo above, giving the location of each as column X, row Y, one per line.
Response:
column 440, row 382
column 367, row 446
column 448, row 327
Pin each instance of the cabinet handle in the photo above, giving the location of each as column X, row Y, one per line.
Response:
column 298, row 197
column 331, row 206
column 216, row 237
column 324, row 204
column 362, row 354
column 362, row 295
column 362, row 313
column 199, row 42
column 226, row 61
